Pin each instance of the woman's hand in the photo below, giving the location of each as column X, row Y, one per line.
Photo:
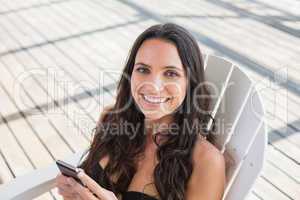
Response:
column 64, row 185
column 70, row 189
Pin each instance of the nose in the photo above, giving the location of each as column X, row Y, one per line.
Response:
column 158, row 83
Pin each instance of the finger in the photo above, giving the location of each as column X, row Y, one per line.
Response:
column 61, row 180
column 72, row 191
column 66, row 187
column 92, row 185
column 63, row 184
column 86, row 194
column 83, row 192
column 73, row 198
column 66, row 194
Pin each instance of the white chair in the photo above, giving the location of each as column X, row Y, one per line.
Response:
column 237, row 106
column 239, row 112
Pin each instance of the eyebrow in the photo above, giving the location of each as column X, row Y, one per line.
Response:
column 168, row 66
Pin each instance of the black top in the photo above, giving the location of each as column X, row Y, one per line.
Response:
column 99, row 176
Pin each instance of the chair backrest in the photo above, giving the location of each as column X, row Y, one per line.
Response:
column 241, row 133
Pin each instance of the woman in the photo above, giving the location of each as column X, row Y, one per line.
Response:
column 153, row 142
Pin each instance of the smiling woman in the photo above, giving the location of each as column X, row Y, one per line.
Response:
column 163, row 97
column 158, row 80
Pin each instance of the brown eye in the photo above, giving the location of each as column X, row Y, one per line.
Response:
column 171, row 74
column 143, row 70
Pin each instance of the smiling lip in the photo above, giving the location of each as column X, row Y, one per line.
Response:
column 154, row 99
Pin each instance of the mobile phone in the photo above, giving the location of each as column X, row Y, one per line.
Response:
column 68, row 170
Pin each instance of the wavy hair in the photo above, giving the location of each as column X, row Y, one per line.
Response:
column 174, row 155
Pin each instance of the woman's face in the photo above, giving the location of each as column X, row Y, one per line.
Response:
column 158, row 81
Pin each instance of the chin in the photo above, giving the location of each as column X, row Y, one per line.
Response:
column 156, row 116
column 153, row 116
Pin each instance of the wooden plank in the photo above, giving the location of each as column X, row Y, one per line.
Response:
column 87, row 61
column 281, row 181
column 15, row 157
column 73, row 70
column 71, row 108
column 26, row 138
column 103, row 38
column 13, row 152
column 20, row 5
column 107, row 45
column 42, row 23
column 279, row 124
column 68, row 19
column 266, row 190
column 82, row 59
column 26, row 135
column 6, row 174
column 26, row 35
column 290, row 168
column 281, row 106
column 217, row 32
column 41, row 96
column 7, row 42
column 288, row 7
column 60, row 156
column 267, row 20
column 60, row 116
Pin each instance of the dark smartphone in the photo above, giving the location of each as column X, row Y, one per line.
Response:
column 68, row 170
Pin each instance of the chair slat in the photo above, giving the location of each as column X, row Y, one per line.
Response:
column 217, row 73
column 231, row 106
column 243, row 136
column 251, row 167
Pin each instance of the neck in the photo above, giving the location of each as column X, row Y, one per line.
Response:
column 157, row 125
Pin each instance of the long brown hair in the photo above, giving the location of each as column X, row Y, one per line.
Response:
column 175, row 154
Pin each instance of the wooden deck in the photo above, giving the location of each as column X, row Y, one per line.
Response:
column 59, row 61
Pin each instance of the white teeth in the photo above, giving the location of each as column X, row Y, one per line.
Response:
column 152, row 99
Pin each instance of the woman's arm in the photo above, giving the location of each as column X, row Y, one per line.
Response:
column 207, row 181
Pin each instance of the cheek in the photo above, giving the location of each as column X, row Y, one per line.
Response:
column 134, row 83
column 178, row 90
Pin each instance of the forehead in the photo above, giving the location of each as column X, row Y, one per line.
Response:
column 158, row 53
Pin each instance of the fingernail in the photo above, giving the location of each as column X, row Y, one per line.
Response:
column 80, row 174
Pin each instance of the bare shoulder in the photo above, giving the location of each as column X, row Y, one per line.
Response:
column 207, row 181
column 206, row 154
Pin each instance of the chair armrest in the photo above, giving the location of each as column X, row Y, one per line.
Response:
column 34, row 183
